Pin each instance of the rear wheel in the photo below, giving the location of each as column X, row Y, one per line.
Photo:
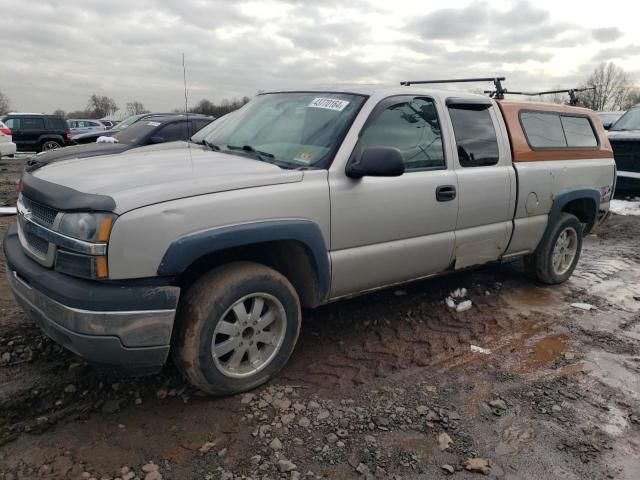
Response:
column 49, row 145
column 236, row 328
column 556, row 258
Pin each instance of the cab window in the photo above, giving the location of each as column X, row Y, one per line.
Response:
column 411, row 125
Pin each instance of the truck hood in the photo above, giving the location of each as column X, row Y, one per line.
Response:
column 624, row 135
column 78, row 151
column 163, row 172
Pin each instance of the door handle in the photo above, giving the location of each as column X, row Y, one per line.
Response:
column 445, row 193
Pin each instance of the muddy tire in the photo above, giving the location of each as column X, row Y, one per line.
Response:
column 555, row 259
column 236, row 328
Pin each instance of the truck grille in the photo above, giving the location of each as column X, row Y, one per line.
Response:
column 627, row 155
column 45, row 216
column 39, row 245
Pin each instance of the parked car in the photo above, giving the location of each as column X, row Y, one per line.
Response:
column 624, row 136
column 159, row 129
column 7, row 147
column 127, row 122
column 83, row 125
column 609, row 118
column 109, row 124
column 36, row 132
column 298, row 199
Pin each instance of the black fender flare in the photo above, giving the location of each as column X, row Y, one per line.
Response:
column 184, row 251
column 563, row 199
column 58, row 138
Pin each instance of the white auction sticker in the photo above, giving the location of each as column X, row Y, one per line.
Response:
column 154, row 124
column 329, row 103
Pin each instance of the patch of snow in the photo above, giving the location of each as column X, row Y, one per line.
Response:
column 104, row 139
column 457, row 300
column 625, row 207
column 583, row 306
column 464, row 306
column 459, row 293
column 477, row 349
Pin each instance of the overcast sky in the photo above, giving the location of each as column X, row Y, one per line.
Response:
column 55, row 53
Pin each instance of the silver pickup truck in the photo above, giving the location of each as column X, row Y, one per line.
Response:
column 210, row 249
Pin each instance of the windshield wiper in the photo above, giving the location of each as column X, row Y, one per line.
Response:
column 262, row 156
column 249, row 148
column 212, row 146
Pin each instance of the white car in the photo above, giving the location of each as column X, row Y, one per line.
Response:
column 7, row 147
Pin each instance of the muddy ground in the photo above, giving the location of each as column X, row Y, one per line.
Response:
column 374, row 385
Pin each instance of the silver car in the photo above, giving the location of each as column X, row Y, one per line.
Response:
column 78, row 126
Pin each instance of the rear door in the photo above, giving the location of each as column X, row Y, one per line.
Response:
column 31, row 129
column 486, row 182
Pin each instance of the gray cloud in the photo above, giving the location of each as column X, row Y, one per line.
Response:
column 609, row 34
column 619, row 53
column 58, row 52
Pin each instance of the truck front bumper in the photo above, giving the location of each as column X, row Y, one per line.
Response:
column 122, row 328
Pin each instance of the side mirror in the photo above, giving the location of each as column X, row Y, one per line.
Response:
column 376, row 162
column 154, row 140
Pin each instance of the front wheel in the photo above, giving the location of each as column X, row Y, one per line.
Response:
column 556, row 258
column 236, row 328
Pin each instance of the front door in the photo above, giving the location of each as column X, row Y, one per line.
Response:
column 393, row 229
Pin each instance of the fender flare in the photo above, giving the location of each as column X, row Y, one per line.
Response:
column 561, row 200
column 52, row 136
column 184, row 251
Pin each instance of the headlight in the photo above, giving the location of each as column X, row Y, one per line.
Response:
column 90, row 227
column 93, row 228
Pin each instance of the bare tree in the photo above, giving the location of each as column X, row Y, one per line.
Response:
column 101, row 106
column 632, row 99
column 81, row 114
column 206, row 107
column 60, row 112
column 4, row 104
column 612, row 87
column 135, row 108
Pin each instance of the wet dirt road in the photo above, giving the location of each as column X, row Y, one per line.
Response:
column 374, row 385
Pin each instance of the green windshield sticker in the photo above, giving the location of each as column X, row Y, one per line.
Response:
column 329, row 104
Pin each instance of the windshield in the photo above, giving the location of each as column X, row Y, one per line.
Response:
column 136, row 132
column 202, row 134
column 128, row 122
column 295, row 130
column 629, row 121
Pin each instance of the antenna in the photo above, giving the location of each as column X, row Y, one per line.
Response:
column 184, row 78
column 186, row 102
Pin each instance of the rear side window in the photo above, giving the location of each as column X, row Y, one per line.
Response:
column 543, row 130
column 556, row 131
column 32, row 124
column 173, row 132
column 578, row 132
column 475, row 134
column 12, row 123
column 55, row 124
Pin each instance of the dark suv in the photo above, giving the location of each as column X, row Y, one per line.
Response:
column 33, row 132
